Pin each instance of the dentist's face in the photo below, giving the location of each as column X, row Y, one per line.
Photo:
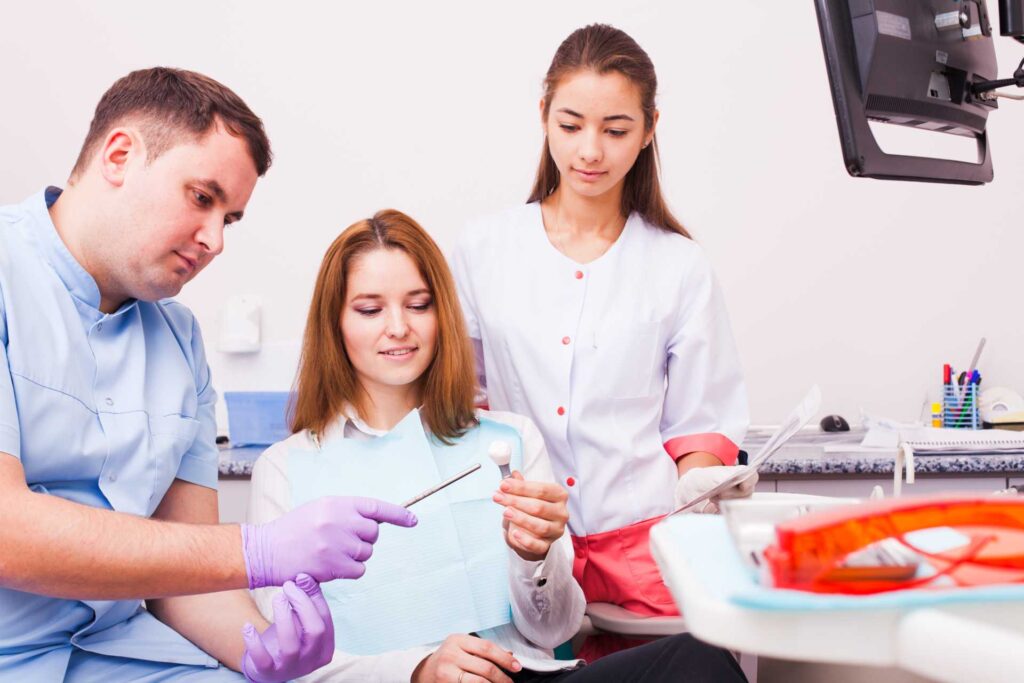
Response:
column 174, row 211
column 389, row 321
column 595, row 130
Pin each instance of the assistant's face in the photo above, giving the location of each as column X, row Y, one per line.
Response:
column 595, row 130
column 389, row 321
column 177, row 207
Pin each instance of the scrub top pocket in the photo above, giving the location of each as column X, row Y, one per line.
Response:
column 174, row 429
column 171, row 437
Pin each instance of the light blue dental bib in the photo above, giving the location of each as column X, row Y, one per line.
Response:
column 449, row 574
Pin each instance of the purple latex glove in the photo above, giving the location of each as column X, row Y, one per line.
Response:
column 328, row 538
column 300, row 641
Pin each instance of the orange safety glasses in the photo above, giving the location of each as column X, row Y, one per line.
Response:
column 810, row 551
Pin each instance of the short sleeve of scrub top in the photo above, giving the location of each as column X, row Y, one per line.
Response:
column 199, row 463
column 10, row 433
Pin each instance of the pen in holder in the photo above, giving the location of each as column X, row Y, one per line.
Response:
column 960, row 406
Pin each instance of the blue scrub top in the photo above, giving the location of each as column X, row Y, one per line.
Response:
column 103, row 410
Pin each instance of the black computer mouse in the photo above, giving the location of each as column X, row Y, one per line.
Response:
column 834, row 423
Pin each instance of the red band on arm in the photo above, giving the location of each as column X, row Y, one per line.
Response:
column 717, row 444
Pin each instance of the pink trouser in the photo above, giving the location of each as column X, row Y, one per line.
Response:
column 617, row 567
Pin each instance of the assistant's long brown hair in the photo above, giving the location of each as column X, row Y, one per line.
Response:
column 603, row 49
column 326, row 380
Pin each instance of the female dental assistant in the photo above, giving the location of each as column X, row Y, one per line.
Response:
column 594, row 313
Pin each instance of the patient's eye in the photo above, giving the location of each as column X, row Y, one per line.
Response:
column 422, row 306
column 368, row 311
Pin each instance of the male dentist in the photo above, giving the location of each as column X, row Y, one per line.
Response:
column 108, row 468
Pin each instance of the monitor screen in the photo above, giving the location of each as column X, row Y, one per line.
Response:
column 909, row 63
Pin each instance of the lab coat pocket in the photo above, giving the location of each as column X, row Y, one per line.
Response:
column 627, row 354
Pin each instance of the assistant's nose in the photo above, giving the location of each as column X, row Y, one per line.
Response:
column 590, row 147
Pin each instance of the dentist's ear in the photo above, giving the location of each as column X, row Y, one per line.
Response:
column 119, row 148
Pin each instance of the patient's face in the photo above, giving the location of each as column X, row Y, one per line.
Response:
column 389, row 322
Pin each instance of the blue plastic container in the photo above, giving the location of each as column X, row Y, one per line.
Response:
column 257, row 418
column 960, row 407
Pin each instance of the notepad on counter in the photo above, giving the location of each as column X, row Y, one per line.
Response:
column 931, row 441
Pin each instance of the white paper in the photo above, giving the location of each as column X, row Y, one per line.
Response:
column 807, row 409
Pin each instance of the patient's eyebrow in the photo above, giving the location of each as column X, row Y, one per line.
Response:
column 411, row 292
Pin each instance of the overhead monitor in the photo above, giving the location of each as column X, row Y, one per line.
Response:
column 909, row 63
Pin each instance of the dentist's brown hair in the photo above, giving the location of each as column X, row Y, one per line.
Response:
column 326, row 380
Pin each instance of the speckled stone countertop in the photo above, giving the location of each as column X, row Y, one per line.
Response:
column 790, row 461
column 237, row 462
column 799, row 461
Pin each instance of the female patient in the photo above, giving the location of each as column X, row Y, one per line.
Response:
column 482, row 588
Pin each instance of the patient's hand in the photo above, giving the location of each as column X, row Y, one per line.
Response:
column 536, row 513
column 462, row 659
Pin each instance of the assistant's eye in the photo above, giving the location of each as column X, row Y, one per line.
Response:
column 617, row 132
column 568, row 127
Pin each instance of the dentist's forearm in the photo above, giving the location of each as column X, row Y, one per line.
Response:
column 54, row 547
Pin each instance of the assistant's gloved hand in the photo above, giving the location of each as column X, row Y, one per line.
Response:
column 699, row 480
column 328, row 538
column 300, row 641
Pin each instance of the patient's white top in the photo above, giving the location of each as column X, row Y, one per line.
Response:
column 547, row 603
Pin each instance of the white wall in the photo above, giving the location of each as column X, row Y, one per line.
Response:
column 866, row 287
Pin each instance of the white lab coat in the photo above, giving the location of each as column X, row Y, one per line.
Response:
column 624, row 363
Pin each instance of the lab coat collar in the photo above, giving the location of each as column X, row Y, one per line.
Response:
column 540, row 234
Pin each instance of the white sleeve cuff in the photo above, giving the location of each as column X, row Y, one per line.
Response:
column 533, row 573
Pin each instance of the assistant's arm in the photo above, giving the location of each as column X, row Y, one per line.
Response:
column 705, row 415
column 464, row 285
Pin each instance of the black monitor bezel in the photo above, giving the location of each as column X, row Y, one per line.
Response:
column 862, row 156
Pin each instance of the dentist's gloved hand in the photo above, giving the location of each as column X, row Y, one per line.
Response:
column 328, row 538
column 300, row 641
column 699, row 480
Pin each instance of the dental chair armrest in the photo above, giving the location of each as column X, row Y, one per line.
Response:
column 610, row 618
